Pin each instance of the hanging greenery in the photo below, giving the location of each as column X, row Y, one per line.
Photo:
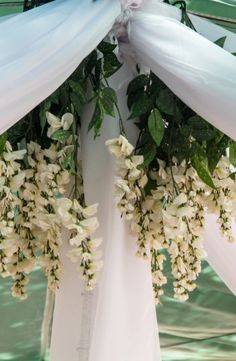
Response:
column 179, row 170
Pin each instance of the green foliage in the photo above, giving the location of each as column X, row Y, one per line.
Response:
column 156, row 126
column 216, row 148
column 97, row 118
column 168, row 128
column 108, row 99
column 100, row 65
column 202, row 171
column 3, row 139
column 232, row 153
column 61, row 135
column 166, row 101
column 199, row 161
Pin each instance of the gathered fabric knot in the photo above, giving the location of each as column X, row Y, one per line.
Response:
column 120, row 26
column 131, row 4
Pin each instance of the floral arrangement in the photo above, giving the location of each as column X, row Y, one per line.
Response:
column 170, row 219
column 180, row 169
column 34, row 210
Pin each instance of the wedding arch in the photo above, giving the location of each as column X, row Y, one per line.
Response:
column 174, row 76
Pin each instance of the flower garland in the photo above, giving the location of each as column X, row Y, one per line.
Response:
column 179, row 170
column 170, row 220
column 34, row 210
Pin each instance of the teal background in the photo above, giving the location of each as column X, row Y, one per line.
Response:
column 20, row 321
column 202, row 329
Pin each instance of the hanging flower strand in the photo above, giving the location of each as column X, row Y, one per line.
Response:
column 171, row 217
column 34, row 210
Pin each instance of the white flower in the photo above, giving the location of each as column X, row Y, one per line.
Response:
column 14, row 155
column 67, row 120
column 54, row 121
column 17, row 181
column 63, row 206
column 90, row 210
column 120, row 146
column 90, row 224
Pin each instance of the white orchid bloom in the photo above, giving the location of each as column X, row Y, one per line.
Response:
column 56, row 123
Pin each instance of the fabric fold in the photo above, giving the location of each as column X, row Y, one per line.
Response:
column 43, row 47
column 199, row 72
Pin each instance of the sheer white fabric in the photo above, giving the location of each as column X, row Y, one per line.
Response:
column 221, row 254
column 201, row 73
column 42, row 47
column 204, row 76
column 121, row 320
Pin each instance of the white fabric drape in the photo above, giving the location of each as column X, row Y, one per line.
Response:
column 204, row 76
column 121, row 320
column 221, row 254
column 201, row 73
column 42, row 47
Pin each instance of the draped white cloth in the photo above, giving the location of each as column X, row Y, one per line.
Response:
column 204, row 76
column 42, row 47
column 118, row 322
column 39, row 50
column 201, row 73
column 221, row 254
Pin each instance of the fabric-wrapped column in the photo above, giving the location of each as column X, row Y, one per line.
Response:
column 117, row 321
column 124, row 326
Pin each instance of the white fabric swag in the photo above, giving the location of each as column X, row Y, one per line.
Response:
column 39, row 50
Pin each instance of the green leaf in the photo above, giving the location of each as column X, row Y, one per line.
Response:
column 90, row 63
column 78, row 89
column 3, row 139
column 198, row 128
column 232, row 176
column 97, row 118
column 197, row 149
column 76, row 102
column 156, row 126
column 44, row 107
column 166, row 101
column 215, row 152
column 202, row 170
column 64, row 96
column 149, row 153
column 221, row 41
column 54, row 97
column 69, row 163
column 132, row 98
column 98, row 73
column 232, row 153
column 197, row 122
column 141, row 106
column 111, row 64
column 151, row 184
column 108, row 99
column 61, row 135
column 106, row 47
column 137, row 83
column 200, row 162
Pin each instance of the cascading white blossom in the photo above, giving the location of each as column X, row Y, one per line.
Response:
column 34, row 209
column 168, row 221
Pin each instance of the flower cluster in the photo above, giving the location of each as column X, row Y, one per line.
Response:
column 34, row 210
column 168, row 221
